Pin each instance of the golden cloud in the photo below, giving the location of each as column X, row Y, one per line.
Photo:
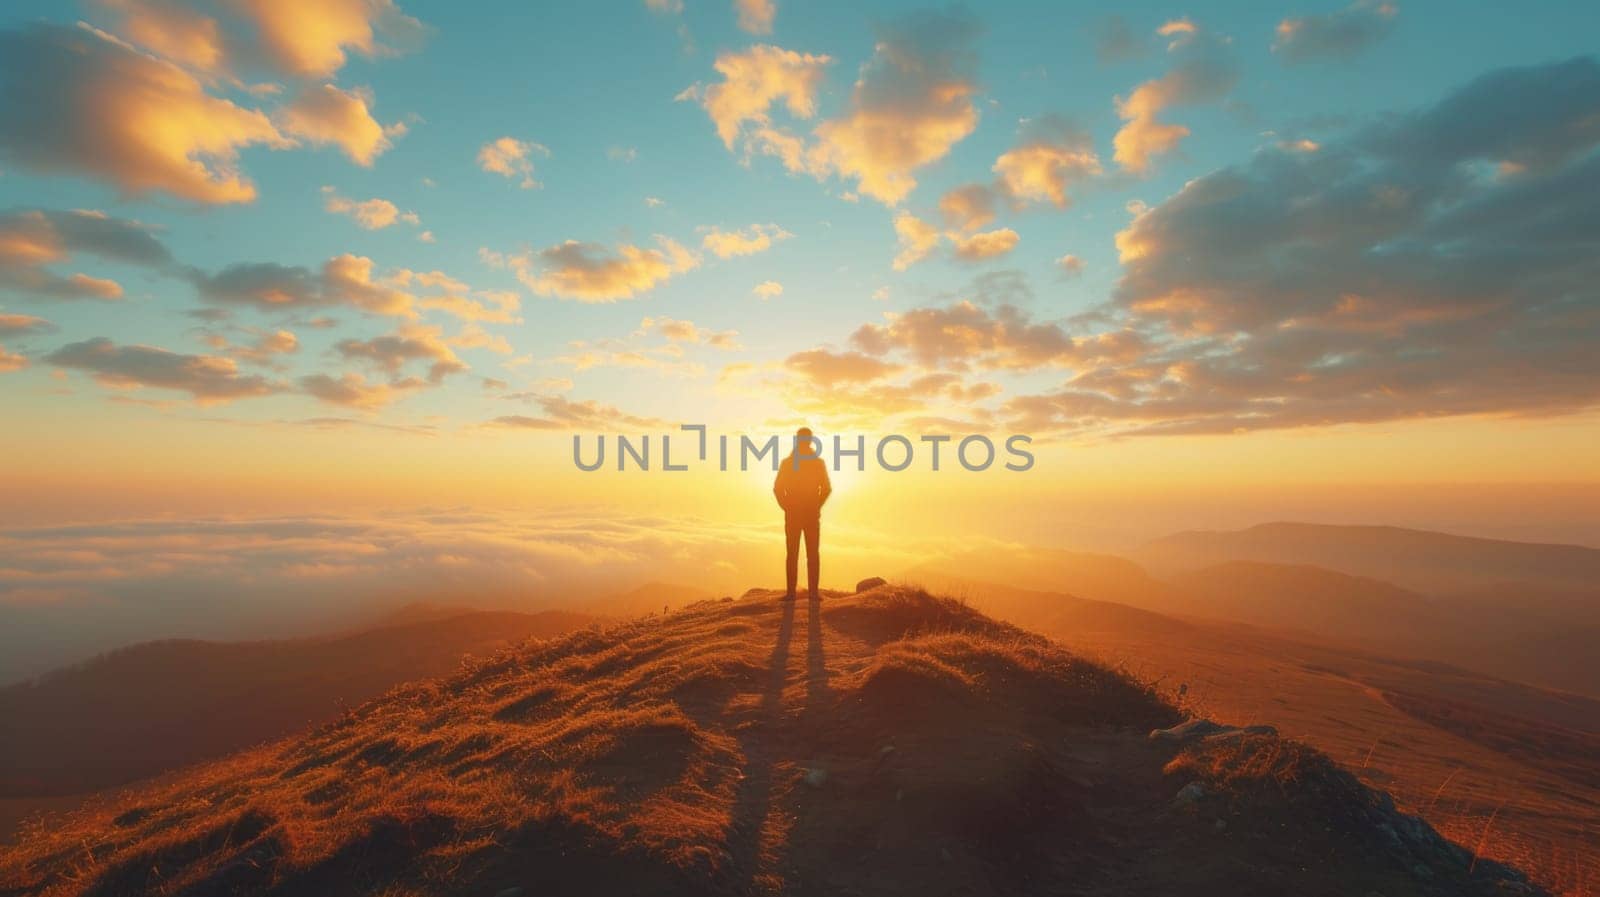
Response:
column 986, row 244
column 308, row 38
column 1051, row 156
column 590, row 272
column 968, row 207
column 755, row 16
column 917, row 239
column 371, row 214
column 511, row 158
column 207, row 378
column 1203, row 71
column 355, row 391
column 84, row 101
column 748, row 241
column 756, row 79
column 324, row 114
column 300, row 38
column 33, row 239
column 911, row 104
column 391, row 353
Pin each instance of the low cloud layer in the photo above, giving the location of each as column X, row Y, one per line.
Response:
column 69, row 591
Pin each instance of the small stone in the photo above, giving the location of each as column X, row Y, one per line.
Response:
column 1220, row 825
column 1189, row 794
column 816, row 777
column 871, row 583
column 1188, row 731
column 1422, row 872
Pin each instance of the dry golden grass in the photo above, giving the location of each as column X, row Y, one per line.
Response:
column 883, row 743
column 1429, row 736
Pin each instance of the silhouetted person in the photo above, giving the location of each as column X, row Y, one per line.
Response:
column 801, row 488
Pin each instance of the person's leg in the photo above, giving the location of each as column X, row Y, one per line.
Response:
column 791, row 561
column 813, row 532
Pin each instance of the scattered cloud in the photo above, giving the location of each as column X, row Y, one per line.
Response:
column 324, row 114
column 1114, row 41
column 911, row 103
column 1051, row 154
column 755, row 16
column 768, row 289
column 747, row 241
column 561, row 413
column 299, row 38
column 355, row 391
column 985, row 244
column 264, row 347
column 964, row 335
column 206, row 378
column 1070, row 265
column 917, row 239
column 371, row 214
column 81, row 101
column 511, row 158
column 392, row 353
column 686, row 332
column 343, row 280
column 439, row 291
column 14, row 325
column 827, row 368
column 754, row 80
column 1385, row 276
column 1202, row 71
column 590, row 272
column 968, row 207
column 1337, row 35
column 32, row 240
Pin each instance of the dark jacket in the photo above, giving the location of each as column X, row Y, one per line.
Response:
column 801, row 488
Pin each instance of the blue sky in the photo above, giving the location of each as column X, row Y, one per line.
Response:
column 602, row 88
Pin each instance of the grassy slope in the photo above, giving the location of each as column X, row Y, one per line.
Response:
column 157, row 706
column 1491, row 763
column 886, row 743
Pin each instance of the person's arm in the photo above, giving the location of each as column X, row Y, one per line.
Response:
column 780, row 489
column 826, row 489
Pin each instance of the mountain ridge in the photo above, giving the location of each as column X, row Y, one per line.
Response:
column 885, row 742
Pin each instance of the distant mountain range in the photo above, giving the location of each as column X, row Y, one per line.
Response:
column 1518, row 610
column 1414, row 559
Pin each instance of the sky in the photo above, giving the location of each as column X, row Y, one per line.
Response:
column 1222, row 263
